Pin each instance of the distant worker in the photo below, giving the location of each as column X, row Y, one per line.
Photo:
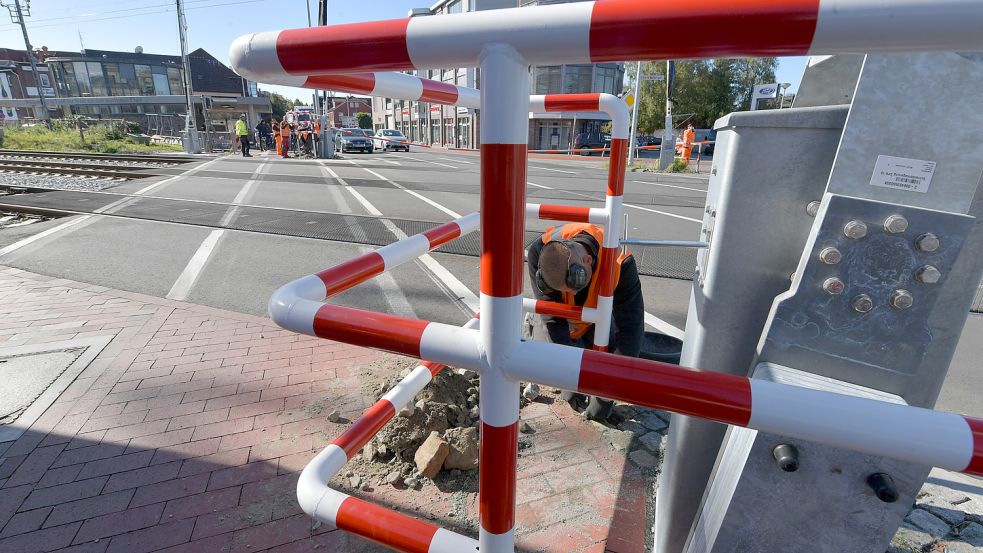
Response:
column 689, row 137
column 242, row 133
column 276, row 137
column 563, row 265
column 263, row 134
column 285, row 138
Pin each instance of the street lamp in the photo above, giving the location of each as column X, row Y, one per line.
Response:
column 784, row 88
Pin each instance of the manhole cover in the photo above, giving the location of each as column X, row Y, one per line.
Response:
column 25, row 377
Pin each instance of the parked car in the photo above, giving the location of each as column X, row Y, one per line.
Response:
column 590, row 140
column 389, row 139
column 705, row 135
column 652, row 140
column 354, row 140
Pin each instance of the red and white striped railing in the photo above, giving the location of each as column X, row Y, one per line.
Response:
column 504, row 43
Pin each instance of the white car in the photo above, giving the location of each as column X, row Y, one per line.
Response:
column 389, row 139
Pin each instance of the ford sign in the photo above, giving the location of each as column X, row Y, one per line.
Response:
column 766, row 90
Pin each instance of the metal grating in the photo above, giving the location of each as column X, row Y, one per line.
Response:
column 676, row 263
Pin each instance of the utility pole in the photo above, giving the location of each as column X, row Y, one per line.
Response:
column 667, row 151
column 634, row 114
column 17, row 16
column 192, row 144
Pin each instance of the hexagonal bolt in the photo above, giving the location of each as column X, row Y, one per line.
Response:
column 902, row 299
column 895, row 224
column 928, row 275
column 927, row 242
column 812, row 208
column 855, row 229
column 830, row 256
column 862, row 303
column 833, row 286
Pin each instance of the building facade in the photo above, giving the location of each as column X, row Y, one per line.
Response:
column 458, row 127
column 147, row 89
column 18, row 82
column 341, row 110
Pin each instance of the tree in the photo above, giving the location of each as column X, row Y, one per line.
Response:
column 707, row 89
column 364, row 120
column 281, row 105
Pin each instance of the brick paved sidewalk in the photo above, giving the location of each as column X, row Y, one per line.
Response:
column 187, row 433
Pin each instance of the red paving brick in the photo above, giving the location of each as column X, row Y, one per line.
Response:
column 187, row 433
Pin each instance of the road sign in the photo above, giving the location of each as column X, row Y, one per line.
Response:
column 630, row 100
column 659, row 77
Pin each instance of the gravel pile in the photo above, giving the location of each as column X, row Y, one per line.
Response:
column 57, row 182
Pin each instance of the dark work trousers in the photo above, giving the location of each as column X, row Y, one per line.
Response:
column 597, row 408
column 244, row 145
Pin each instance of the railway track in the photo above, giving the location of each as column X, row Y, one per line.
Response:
column 52, row 167
column 152, row 160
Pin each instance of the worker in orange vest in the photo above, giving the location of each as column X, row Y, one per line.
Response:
column 285, row 138
column 563, row 267
column 689, row 136
column 277, row 138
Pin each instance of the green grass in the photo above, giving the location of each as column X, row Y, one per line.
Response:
column 62, row 139
column 678, row 166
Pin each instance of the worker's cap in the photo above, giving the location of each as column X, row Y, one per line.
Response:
column 554, row 264
column 243, row 116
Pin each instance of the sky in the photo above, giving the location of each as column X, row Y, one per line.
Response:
column 123, row 25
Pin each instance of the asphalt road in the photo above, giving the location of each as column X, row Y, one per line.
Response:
column 239, row 270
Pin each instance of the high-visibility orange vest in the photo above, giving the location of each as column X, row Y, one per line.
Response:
column 567, row 232
column 285, row 129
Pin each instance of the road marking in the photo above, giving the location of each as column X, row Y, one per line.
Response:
column 433, row 162
column 554, row 170
column 192, row 271
column 663, row 327
column 26, row 241
column 438, row 271
column 666, row 213
column 670, row 186
column 182, row 286
column 421, row 197
column 108, row 209
column 456, row 160
column 392, row 162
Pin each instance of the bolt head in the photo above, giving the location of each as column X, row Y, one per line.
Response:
column 855, row 229
column 834, row 286
column 895, row 224
column 927, row 242
column 902, row 299
column 862, row 303
column 830, row 256
column 928, row 274
column 812, row 208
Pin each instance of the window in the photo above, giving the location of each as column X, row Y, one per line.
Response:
column 605, row 79
column 96, row 78
column 547, row 79
column 65, row 78
column 128, row 79
column 174, row 79
column 454, row 8
column 44, row 80
column 577, row 79
column 160, row 85
column 82, row 78
column 145, row 80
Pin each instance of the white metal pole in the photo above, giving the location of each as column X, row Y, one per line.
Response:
column 192, row 144
column 667, row 150
column 632, row 147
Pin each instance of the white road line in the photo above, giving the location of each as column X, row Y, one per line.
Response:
column 30, row 239
column 463, row 293
column 670, row 186
column 192, row 271
column 445, row 209
column 433, row 162
column 666, row 213
column 554, row 170
column 392, row 162
column 111, row 208
column 456, row 160
column 663, row 327
column 182, row 286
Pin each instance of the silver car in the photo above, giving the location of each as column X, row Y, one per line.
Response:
column 389, row 139
column 354, row 140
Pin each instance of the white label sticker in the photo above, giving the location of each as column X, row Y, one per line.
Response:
column 913, row 175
